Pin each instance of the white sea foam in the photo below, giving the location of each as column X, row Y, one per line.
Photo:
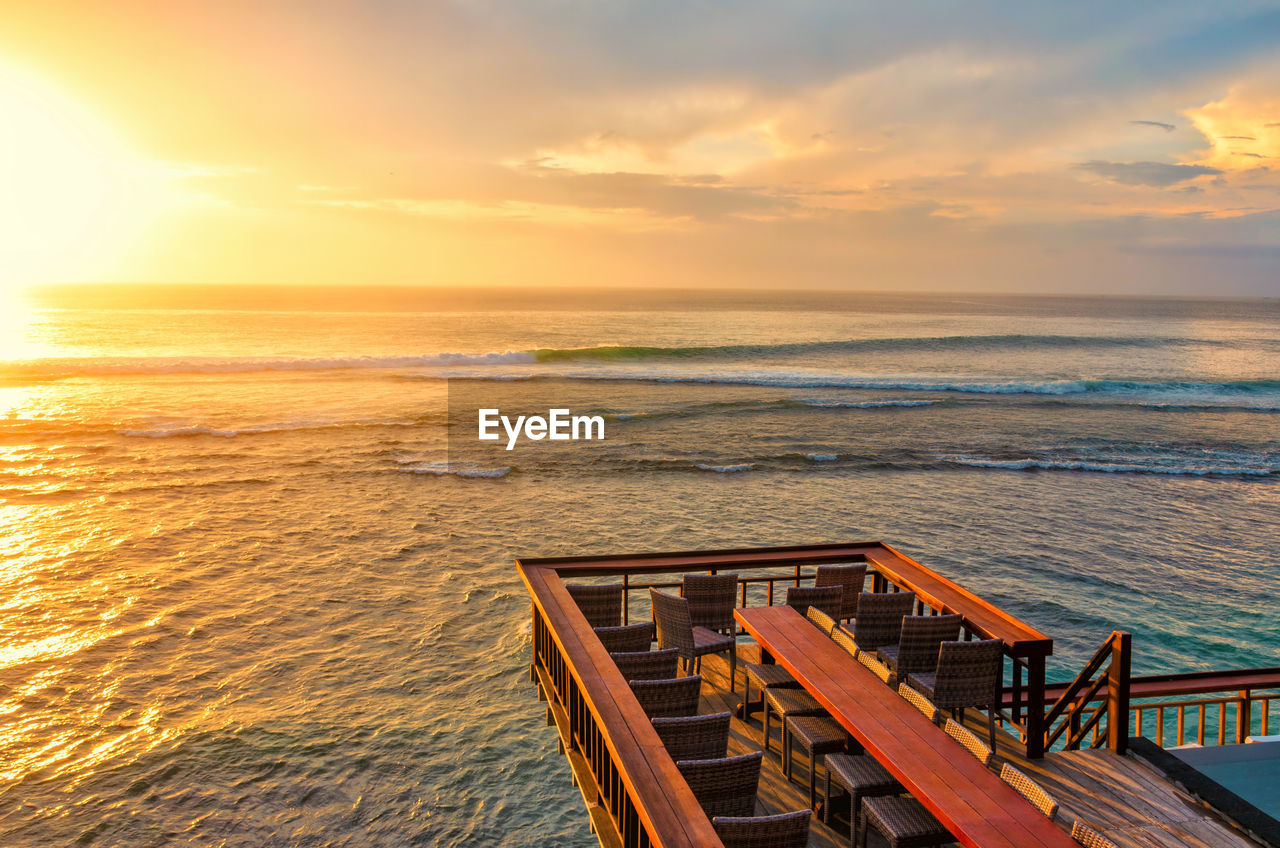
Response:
column 866, row 404
column 821, row 457
column 1111, row 467
column 726, row 469
column 179, row 430
column 62, row 368
column 456, row 469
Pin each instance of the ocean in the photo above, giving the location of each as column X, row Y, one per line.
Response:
column 256, row 592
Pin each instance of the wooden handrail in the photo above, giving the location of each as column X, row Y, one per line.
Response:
column 652, row 791
column 1071, row 705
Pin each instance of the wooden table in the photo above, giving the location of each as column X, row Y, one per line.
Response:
column 972, row 802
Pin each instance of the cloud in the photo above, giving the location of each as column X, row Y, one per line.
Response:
column 1160, row 124
column 1158, row 174
column 1239, row 137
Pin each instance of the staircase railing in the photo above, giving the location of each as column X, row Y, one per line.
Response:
column 1078, row 713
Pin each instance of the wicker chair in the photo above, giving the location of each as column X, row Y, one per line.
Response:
column 602, row 605
column 903, row 822
column 817, row 736
column 879, row 619
column 725, row 786
column 861, row 776
column 647, row 665
column 844, row 639
column 675, row 697
column 879, row 669
column 821, row 620
column 764, row 676
column 971, row 743
column 1029, row 789
column 917, row 648
column 711, row 598
column 1088, row 837
column 920, row 702
column 968, row 675
column 786, row 703
column 700, row 737
column 675, row 630
column 825, row 598
column 626, row 638
column 851, row 578
column 785, row 830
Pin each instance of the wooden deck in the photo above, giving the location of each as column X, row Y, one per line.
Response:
column 1118, row 795
column 633, row 790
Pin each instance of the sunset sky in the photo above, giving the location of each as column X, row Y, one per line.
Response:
column 1091, row 147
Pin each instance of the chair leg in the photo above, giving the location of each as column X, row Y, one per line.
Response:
column 733, row 666
column 764, row 703
column 813, row 779
column 991, row 727
column 861, row 830
column 826, row 805
column 786, row 750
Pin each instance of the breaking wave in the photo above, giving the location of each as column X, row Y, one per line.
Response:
column 456, row 469
column 735, row 351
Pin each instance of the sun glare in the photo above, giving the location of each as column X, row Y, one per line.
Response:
column 72, row 197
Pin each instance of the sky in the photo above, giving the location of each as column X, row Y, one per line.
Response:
column 1124, row 148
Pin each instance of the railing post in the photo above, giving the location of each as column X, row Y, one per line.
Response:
column 1035, row 708
column 1118, row 692
column 1244, row 717
column 626, row 597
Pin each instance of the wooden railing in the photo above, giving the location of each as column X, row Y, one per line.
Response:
column 632, row 789
column 1182, row 705
column 1100, row 691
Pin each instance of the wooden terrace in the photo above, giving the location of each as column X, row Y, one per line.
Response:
column 1070, row 737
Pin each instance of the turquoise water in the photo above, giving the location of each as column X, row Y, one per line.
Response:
column 250, row 601
column 1252, row 771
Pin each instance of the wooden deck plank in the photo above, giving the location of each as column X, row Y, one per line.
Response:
column 972, row 802
column 1126, row 801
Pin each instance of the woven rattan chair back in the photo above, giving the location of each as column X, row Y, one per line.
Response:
column 675, row 630
column 725, row 786
column 700, row 737
column 601, row 605
column 647, row 665
column 825, row 598
column 879, row 669
column 919, row 640
column 821, row 620
column 711, row 598
column 844, row 639
column 971, row 743
column 1088, row 837
column 851, row 578
column 968, row 674
column 675, row 697
column 626, row 638
column 1030, row 790
column 879, row 619
column 920, row 702
column 785, row 830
